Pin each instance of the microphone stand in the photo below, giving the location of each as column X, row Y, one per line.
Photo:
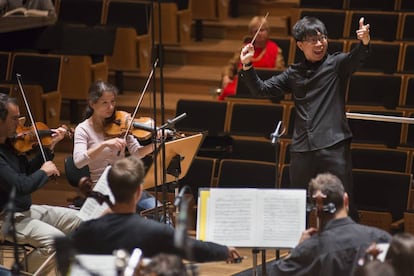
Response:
column 174, row 167
column 275, row 142
column 9, row 227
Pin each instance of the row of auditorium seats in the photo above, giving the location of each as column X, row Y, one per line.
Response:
column 387, row 56
column 383, row 5
column 385, row 25
column 259, row 120
column 50, row 77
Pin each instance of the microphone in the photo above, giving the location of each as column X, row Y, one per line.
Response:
column 172, row 122
column 180, row 234
column 143, row 127
column 178, row 199
column 276, row 133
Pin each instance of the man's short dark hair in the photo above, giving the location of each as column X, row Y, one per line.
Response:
column 308, row 26
column 124, row 177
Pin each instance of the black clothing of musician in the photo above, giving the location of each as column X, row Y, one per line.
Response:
column 130, row 230
column 321, row 135
column 336, row 245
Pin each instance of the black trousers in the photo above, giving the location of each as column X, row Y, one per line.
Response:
column 335, row 159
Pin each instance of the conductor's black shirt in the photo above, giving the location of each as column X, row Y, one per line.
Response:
column 318, row 91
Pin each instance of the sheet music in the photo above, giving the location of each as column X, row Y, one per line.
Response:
column 266, row 218
column 103, row 265
column 91, row 208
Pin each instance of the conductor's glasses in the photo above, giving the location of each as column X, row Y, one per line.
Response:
column 314, row 39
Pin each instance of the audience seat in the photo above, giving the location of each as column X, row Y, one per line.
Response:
column 385, row 56
column 255, row 119
column 384, row 159
column 176, row 22
column 375, row 89
column 377, row 133
column 132, row 48
column 386, row 24
column 246, row 174
column 41, row 77
column 381, row 197
column 407, row 59
column 335, row 20
column 85, row 12
column 406, row 30
column 377, row 5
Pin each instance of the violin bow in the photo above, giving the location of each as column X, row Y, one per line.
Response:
column 141, row 98
column 258, row 30
column 19, row 82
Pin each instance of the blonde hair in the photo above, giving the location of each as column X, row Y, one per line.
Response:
column 255, row 22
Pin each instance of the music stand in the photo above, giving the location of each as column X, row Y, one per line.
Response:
column 183, row 150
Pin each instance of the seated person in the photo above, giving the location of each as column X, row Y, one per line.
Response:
column 44, row 5
column 338, row 244
column 267, row 54
column 34, row 224
column 123, row 228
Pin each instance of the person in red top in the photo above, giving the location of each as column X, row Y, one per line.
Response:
column 267, row 54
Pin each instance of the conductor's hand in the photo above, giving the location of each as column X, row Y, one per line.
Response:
column 50, row 168
column 233, row 255
column 247, row 53
column 363, row 32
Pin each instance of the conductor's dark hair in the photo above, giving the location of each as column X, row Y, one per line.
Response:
column 308, row 26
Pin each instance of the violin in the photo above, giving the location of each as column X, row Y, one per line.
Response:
column 25, row 138
column 121, row 123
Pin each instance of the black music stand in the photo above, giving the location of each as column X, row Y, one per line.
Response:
column 179, row 154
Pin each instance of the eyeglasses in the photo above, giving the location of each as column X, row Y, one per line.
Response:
column 316, row 38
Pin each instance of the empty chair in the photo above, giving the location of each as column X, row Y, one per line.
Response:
column 201, row 174
column 253, row 149
column 375, row 90
column 5, row 58
column 384, row 195
column 207, row 116
column 246, row 174
column 405, row 5
column 386, row 24
column 385, row 159
column 376, row 133
column 408, row 92
column 323, row 4
column 78, row 73
column 406, row 30
column 87, row 12
column 334, row 20
column 209, row 9
column 41, row 75
column 255, row 119
column 385, row 57
column 175, row 23
column 132, row 49
column 407, row 60
column 378, row 5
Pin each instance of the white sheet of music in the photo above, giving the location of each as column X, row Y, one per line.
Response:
column 265, row 218
column 103, row 265
column 91, row 208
